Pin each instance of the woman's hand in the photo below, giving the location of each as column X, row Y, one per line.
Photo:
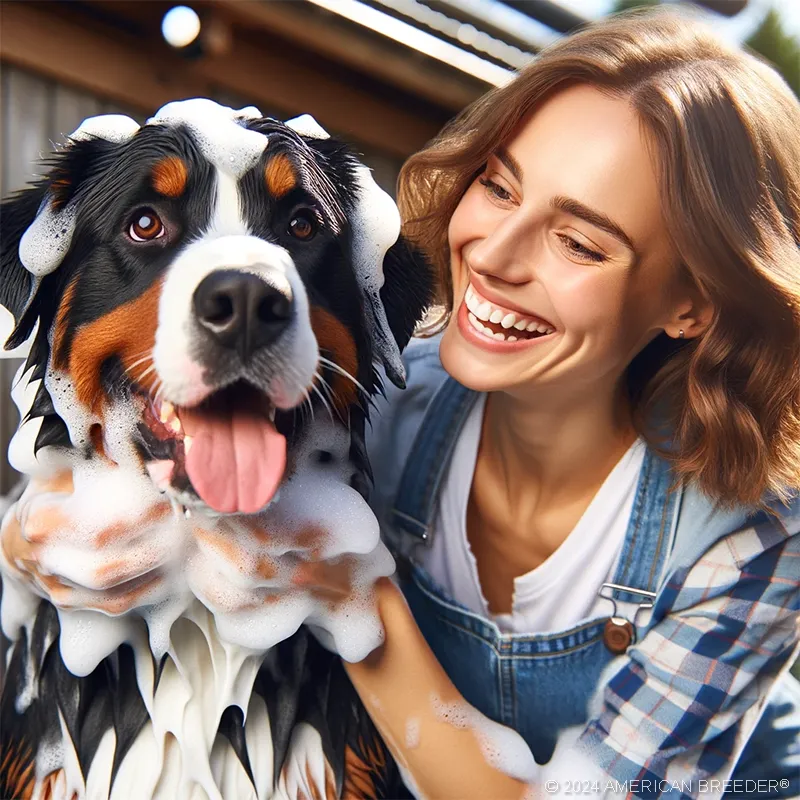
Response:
column 52, row 540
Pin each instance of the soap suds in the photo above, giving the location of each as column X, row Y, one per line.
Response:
column 412, row 732
column 306, row 125
column 234, row 614
column 222, row 140
column 502, row 747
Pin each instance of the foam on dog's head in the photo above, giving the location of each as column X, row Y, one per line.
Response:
column 306, row 125
column 46, row 242
column 376, row 227
column 218, row 132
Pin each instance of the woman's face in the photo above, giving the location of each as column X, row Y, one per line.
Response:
column 562, row 267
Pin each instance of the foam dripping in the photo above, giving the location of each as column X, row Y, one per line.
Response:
column 214, row 643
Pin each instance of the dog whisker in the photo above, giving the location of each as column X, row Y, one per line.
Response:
column 343, row 372
column 324, row 401
column 331, row 396
column 150, row 369
column 140, row 359
column 339, row 370
column 310, row 404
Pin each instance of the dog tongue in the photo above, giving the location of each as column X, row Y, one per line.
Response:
column 236, row 460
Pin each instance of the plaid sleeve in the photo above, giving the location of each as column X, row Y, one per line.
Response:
column 687, row 697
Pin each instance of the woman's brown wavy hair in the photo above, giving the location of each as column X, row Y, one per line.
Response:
column 725, row 136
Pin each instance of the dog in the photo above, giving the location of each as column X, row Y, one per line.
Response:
column 213, row 300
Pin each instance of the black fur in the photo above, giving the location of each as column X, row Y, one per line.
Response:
column 107, row 183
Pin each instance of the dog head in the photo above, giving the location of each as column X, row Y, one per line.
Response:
column 198, row 282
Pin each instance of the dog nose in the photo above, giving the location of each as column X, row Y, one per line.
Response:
column 241, row 311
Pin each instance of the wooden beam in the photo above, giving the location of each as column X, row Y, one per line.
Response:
column 119, row 68
column 304, row 24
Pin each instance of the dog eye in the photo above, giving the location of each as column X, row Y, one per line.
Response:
column 146, row 226
column 303, row 225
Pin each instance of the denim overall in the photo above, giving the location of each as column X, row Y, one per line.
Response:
column 541, row 683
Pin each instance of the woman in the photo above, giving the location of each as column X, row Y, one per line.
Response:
column 591, row 479
column 609, row 421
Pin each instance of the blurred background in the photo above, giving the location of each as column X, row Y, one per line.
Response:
column 384, row 74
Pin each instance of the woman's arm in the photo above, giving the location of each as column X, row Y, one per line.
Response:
column 442, row 743
column 677, row 708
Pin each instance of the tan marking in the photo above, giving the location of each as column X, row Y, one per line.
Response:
column 127, row 332
column 316, row 791
column 280, row 175
column 60, row 327
column 358, row 783
column 108, row 576
column 334, row 337
column 265, row 568
column 42, row 523
column 50, row 786
column 60, row 483
column 59, row 189
column 17, row 768
column 227, row 549
column 170, row 176
column 119, row 530
column 330, row 580
column 126, row 599
column 96, row 438
column 309, row 538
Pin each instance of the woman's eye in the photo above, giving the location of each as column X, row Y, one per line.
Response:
column 575, row 248
column 303, row 225
column 146, row 226
column 495, row 189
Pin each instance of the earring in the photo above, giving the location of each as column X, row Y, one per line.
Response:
column 680, row 333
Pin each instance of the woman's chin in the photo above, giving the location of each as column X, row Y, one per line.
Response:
column 478, row 370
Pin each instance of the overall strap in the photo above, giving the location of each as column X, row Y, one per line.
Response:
column 649, row 537
column 429, row 458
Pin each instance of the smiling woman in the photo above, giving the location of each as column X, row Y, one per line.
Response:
column 592, row 481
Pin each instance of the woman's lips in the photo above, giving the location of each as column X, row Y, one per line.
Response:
column 496, row 342
column 487, row 307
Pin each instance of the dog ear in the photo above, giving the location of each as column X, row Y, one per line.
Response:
column 43, row 212
column 395, row 280
column 17, row 285
column 389, row 272
column 408, row 289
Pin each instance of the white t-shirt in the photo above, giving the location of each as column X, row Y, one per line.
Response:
column 564, row 589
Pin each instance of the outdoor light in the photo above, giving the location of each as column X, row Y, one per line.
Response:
column 180, row 26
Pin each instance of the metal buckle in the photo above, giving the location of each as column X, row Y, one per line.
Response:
column 619, row 632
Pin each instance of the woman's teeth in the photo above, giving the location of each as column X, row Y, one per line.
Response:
column 481, row 310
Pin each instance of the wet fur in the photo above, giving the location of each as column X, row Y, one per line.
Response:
column 98, row 277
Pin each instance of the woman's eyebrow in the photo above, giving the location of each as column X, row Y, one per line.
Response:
column 596, row 218
column 509, row 162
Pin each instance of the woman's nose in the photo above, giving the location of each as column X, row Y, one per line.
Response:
column 506, row 253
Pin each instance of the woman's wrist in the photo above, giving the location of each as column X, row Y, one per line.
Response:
column 408, row 694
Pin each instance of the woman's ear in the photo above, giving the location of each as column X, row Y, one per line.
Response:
column 17, row 285
column 693, row 316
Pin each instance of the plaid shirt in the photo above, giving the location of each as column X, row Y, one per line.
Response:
column 679, row 710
